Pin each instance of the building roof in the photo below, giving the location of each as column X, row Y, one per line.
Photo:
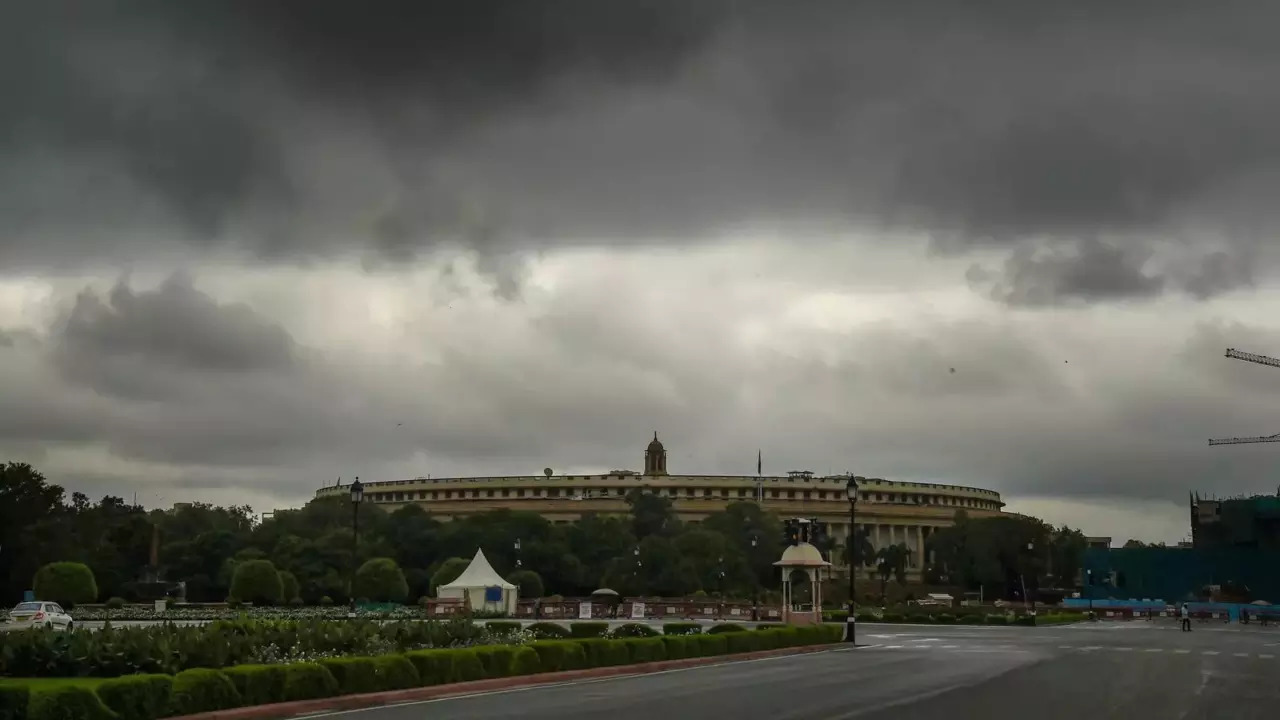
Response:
column 479, row 574
column 802, row 555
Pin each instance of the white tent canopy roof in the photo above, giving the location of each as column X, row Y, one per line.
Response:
column 479, row 574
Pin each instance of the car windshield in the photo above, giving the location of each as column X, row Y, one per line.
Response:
column 27, row 607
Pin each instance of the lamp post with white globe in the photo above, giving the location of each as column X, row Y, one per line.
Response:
column 851, row 492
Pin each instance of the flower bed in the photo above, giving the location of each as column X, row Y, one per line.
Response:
column 143, row 613
column 152, row 696
column 169, row 648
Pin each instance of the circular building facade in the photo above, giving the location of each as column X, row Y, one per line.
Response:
column 890, row 512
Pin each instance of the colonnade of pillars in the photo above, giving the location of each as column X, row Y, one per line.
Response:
column 885, row 534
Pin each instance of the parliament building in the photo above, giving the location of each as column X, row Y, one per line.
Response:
column 890, row 511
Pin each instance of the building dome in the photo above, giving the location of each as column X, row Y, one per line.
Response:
column 655, row 457
column 801, row 555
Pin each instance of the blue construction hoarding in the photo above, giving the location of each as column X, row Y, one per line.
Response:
column 1176, row 575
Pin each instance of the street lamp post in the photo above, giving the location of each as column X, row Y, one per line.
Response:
column 851, row 492
column 517, row 548
column 1031, row 552
column 755, row 584
column 357, row 497
column 1088, row 589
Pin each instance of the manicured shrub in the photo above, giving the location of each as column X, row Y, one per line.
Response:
column 115, row 603
column 633, row 630
column 138, row 697
column 646, row 649
column 203, row 690
column 466, row 665
column 496, row 659
column 555, row 655
column 66, row 702
column 308, row 681
column 588, row 629
column 258, row 684
column 435, row 667
column 726, row 627
column 66, row 583
column 679, row 646
column 525, row 661
column 548, row 631
column 257, row 582
column 681, row 628
column 355, row 675
column 395, row 672
column 502, row 627
column 381, row 580
column 741, row 642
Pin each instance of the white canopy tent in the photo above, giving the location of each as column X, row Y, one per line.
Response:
column 482, row 588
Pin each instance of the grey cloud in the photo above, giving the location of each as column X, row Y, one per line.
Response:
column 1026, row 411
column 175, row 325
column 1090, row 270
column 282, row 127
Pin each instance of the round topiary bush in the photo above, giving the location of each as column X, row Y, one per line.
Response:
column 257, row 582
column 66, row 583
column 381, row 580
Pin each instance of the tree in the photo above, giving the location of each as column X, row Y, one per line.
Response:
column 257, row 582
column 864, row 553
column 380, row 580
column 66, row 583
column 288, row 587
column 651, row 514
column 448, row 571
column 528, row 582
column 891, row 561
column 29, row 512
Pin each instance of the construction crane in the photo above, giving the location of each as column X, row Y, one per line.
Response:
column 1261, row 360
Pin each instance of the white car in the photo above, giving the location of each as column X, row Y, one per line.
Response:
column 39, row 614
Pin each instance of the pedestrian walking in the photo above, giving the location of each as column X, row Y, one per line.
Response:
column 1185, row 614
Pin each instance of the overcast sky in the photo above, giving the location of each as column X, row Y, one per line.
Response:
column 247, row 248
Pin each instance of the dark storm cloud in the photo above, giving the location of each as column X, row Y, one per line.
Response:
column 175, row 325
column 1093, row 270
column 256, row 124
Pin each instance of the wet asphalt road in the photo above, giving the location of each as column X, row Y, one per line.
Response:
column 1135, row 671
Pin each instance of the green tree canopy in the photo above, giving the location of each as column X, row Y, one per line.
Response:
column 257, row 582
column 66, row 583
column 448, row 571
column 380, row 580
column 529, row 583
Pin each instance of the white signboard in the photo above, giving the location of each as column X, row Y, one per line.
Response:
column 637, row 611
column 584, row 611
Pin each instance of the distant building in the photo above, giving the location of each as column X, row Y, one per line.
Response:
column 1244, row 522
column 891, row 512
column 1098, row 542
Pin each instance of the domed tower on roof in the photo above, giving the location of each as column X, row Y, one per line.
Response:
column 655, row 457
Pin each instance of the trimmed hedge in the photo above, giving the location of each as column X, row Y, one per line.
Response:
column 151, row 697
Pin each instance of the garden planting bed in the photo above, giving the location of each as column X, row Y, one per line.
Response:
column 167, row 671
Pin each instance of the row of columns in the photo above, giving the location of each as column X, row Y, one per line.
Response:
column 883, row 535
